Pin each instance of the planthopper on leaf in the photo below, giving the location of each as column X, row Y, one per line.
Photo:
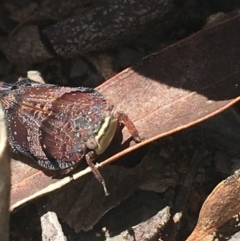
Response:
column 60, row 126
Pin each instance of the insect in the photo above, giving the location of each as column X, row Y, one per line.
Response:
column 59, row 126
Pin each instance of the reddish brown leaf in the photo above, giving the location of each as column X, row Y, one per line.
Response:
column 220, row 206
column 178, row 87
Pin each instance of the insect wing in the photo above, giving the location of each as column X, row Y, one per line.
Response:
column 52, row 123
column 21, row 121
column 76, row 116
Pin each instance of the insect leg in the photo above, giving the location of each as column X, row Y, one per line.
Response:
column 125, row 120
column 90, row 156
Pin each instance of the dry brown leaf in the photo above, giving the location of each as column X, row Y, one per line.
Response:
column 220, row 206
column 180, row 86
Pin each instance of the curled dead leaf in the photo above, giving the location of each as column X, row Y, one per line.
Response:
column 219, row 207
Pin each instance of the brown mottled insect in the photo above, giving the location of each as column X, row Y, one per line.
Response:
column 59, row 126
